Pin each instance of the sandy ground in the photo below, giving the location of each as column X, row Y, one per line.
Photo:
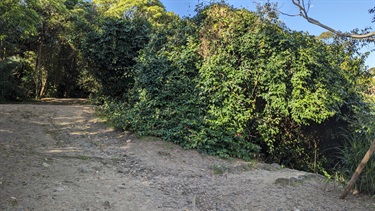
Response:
column 63, row 157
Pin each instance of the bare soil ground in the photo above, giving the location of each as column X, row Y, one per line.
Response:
column 63, row 157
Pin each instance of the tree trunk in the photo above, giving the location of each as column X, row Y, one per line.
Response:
column 40, row 74
column 43, row 81
column 359, row 169
column 3, row 51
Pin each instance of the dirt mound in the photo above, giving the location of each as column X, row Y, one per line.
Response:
column 63, row 157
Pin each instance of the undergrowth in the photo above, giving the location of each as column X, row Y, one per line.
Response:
column 358, row 143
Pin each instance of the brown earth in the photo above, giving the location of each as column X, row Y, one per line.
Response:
column 63, row 157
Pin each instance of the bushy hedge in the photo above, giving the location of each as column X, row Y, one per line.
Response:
column 230, row 83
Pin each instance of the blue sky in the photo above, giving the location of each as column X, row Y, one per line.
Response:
column 343, row 15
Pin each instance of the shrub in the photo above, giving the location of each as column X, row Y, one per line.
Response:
column 228, row 82
column 358, row 142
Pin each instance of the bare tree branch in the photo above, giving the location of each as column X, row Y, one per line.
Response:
column 304, row 13
column 290, row 15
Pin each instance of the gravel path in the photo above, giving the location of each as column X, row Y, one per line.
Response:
column 63, row 157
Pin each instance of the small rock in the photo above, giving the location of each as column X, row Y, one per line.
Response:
column 121, row 187
column 128, row 141
column 311, row 176
column 83, row 169
column 58, row 189
column 107, row 205
column 13, row 201
column 355, row 192
column 276, row 166
column 282, row 181
column 45, row 164
column 291, row 181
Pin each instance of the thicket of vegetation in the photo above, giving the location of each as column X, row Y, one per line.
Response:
column 228, row 82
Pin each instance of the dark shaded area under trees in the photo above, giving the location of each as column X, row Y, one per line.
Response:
column 228, row 82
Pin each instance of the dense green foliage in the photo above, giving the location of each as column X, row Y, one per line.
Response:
column 11, row 80
column 359, row 137
column 38, row 35
column 152, row 10
column 111, row 49
column 227, row 82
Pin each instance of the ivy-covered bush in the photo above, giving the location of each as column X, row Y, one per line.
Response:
column 165, row 100
column 231, row 83
column 270, row 86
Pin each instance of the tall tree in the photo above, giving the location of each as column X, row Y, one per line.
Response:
column 18, row 21
column 40, row 32
column 153, row 10
column 18, row 25
column 54, row 15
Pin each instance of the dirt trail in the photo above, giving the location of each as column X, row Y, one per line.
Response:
column 62, row 157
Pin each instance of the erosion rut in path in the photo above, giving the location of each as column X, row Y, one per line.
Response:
column 62, row 157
